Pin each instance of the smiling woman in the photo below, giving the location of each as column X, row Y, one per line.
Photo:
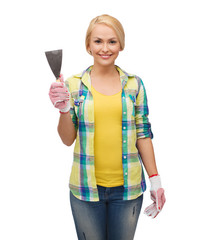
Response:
column 110, row 22
column 105, row 109
column 103, row 45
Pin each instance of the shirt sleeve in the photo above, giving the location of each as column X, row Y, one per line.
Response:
column 72, row 110
column 143, row 126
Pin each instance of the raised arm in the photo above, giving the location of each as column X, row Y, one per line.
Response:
column 61, row 99
column 66, row 129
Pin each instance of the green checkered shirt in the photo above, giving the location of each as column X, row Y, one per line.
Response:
column 135, row 125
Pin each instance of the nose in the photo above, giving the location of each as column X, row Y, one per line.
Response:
column 105, row 47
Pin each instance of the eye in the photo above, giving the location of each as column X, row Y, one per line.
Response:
column 113, row 42
column 97, row 41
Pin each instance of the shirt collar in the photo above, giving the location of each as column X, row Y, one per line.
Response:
column 85, row 76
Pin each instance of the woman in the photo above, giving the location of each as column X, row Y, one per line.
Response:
column 105, row 110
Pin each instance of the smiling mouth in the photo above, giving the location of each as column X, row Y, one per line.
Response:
column 105, row 56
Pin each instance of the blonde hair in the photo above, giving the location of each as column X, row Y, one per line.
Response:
column 110, row 22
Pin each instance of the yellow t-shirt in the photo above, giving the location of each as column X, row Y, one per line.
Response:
column 108, row 139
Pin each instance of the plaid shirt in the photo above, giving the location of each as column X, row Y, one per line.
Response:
column 135, row 125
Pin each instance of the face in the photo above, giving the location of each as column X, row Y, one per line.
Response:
column 104, row 45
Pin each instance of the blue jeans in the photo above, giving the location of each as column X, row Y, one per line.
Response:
column 109, row 219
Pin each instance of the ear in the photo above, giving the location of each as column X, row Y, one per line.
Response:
column 120, row 50
column 88, row 47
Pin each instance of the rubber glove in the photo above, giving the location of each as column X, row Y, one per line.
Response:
column 157, row 195
column 60, row 95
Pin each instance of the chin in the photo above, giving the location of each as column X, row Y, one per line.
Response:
column 105, row 62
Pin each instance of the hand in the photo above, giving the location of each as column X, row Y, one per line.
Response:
column 60, row 95
column 158, row 197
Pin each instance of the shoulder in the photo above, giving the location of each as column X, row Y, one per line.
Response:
column 133, row 80
column 74, row 78
column 73, row 82
column 128, row 74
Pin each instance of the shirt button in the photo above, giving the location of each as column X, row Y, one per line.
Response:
column 124, row 127
column 126, row 173
column 124, row 156
column 124, row 141
column 124, row 112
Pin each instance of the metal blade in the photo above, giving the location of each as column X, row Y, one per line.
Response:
column 55, row 60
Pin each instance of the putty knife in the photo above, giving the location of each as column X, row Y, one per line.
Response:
column 55, row 60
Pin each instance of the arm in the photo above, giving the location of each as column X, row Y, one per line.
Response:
column 61, row 99
column 68, row 126
column 66, row 129
column 144, row 132
column 146, row 151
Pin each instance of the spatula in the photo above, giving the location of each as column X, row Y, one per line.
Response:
column 55, row 60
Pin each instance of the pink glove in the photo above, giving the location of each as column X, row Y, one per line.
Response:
column 158, row 197
column 60, row 95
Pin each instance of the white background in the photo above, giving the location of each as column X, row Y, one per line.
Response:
column 167, row 46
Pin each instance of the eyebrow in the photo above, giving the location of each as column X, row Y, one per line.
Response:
column 108, row 39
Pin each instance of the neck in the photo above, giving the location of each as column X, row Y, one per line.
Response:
column 100, row 70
